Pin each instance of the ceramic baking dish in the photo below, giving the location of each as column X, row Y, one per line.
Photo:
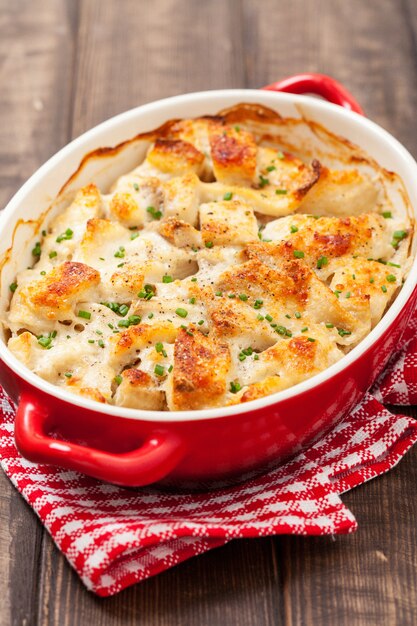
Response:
column 135, row 447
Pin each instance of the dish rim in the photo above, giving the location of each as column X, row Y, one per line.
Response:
column 269, row 99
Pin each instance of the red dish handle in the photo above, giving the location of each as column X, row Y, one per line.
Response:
column 152, row 461
column 320, row 84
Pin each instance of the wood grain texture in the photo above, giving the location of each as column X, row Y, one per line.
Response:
column 36, row 63
column 66, row 65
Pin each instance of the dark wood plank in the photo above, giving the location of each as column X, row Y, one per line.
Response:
column 135, row 52
column 229, row 585
column 35, row 103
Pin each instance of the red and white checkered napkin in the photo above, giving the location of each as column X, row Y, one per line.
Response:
column 115, row 537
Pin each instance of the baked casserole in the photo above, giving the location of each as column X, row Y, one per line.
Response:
column 230, row 264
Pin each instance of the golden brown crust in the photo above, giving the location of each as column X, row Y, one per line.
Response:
column 56, row 292
column 175, row 156
column 234, row 156
column 201, row 364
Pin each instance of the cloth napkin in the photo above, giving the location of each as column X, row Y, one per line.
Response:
column 115, row 537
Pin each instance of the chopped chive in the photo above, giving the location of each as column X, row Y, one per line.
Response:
column 123, row 309
column 37, row 249
column 120, row 253
column 170, row 368
column 53, row 254
column 101, row 258
column 337, row 293
column 44, row 233
column 391, row 278
column 256, row 357
column 354, row 276
column 305, row 329
column 193, row 280
column 384, row 289
column 68, row 374
column 147, row 293
column 134, row 235
column 280, row 192
column 299, row 254
column 110, row 326
column 268, row 317
column 118, row 379
column 201, row 322
column 45, row 342
column 100, row 343
column 260, row 317
column 209, row 244
column 263, row 181
column 280, row 155
column 219, row 293
column 241, row 357
column 288, row 316
column 294, row 229
column 156, row 215
column 123, row 324
column 159, row 370
column 235, row 386
column 322, row 261
column 231, row 295
column 13, row 287
column 258, row 304
column 329, row 325
column 347, row 294
column 43, row 273
column 135, row 186
column 228, row 196
column 91, row 341
column 310, row 339
column 134, row 320
column 65, row 236
column 98, row 332
column 343, row 333
column 159, row 346
column 150, row 316
column 167, row 279
column 243, row 297
column 393, row 264
column 297, row 314
column 181, row 312
column 191, row 300
column 85, row 314
column 271, row 168
column 398, row 236
column 372, row 280
column 387, row 214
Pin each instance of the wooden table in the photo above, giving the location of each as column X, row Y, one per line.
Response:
column 66, row 65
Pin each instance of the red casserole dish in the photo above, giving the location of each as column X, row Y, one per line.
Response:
column 193, row 448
